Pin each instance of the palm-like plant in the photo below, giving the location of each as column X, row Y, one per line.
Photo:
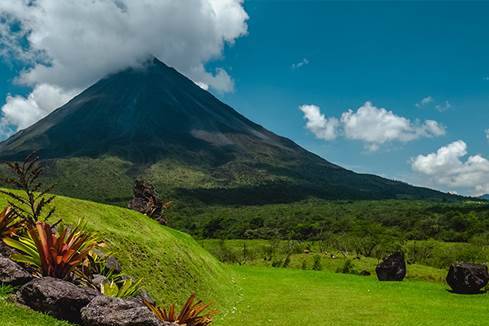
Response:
column 191, row 313
column 10, row 223
column 54, row 253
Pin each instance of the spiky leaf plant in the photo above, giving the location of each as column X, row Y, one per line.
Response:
column 127, row 288
column 10, row 223
column 54, row 253
column 32, row 203
column 191, row 314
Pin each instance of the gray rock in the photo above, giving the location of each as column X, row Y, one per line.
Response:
column 56, row 297
column 108, row 311
column 98, row 280
column 113, row 264
column 12, row 274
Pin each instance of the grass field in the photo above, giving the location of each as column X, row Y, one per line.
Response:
column 286, row 297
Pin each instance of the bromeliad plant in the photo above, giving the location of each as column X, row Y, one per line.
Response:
column 191, row 313
column 53, row 253
column 10, row 223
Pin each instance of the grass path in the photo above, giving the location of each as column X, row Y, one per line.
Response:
column 286, row 297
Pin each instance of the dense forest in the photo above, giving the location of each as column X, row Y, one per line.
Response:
column 462, row 221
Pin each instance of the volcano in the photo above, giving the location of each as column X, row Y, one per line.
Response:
column 152, row 122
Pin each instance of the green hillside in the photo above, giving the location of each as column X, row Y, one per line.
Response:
column 170, row 262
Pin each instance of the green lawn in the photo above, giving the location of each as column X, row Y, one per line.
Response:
column 283, row 297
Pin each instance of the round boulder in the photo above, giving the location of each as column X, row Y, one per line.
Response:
column 467, row 278
column 56, row 297
column 392, row 268
column 108, row 311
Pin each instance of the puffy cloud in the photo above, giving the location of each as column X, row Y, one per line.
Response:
column 442, row 107
column 318, row 124
column 446, row 167
column 21, row 111
column 300, row 64
column 71, row 44
column 371, row 125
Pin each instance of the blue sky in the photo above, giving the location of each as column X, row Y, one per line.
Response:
column 339, row 55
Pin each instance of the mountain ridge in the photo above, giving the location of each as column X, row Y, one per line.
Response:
column 155, row 123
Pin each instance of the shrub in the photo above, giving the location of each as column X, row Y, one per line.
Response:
column 127, row 288
column 31, row 206
column 304, row 265
column 317, row 266
column 347, row 268
column 10, row 223
column 55, row 254
column 191, row 314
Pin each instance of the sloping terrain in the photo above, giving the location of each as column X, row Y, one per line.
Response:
column 155, row 123
column 171, row 264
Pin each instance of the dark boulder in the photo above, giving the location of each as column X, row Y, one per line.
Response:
column 12, row 274
column 56, row 297
column 467, row 278
column 147, row 201
column 108, row 311
column 392, row 268
column 364, row 273
column 113, row 265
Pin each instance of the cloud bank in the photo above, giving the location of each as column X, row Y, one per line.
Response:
column 372, row 125
column 447, row 167
column 70, row 44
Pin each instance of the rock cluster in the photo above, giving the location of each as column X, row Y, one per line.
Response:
column 467, row 278
column 147, row 201
column 392, row 268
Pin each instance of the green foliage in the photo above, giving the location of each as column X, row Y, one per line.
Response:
column 286, row 262
column 347, row 268
column 34, row 199
column 123, row 289
column 304, row 265
column 317, row 266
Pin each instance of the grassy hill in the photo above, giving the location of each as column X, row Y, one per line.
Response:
column 170, row 262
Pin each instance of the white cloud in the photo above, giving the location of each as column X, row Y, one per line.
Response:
column 21, row 111
column 447, row 167
column 318, row 124
column 71, row 44
column 430, row 101
column 442, row 107
column 369, row 124
column 300, row 64
column 425, row 101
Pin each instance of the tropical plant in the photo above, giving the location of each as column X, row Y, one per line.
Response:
column 54, row 253
column 127, row 288
column 10, row 223
column 191, row 314
column 31, row 205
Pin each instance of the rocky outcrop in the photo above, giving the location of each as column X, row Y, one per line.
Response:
column 12, row 274
column 467, row 278
column 392, row 268
column 147, row 201
column 56, row 297
column 108, row 311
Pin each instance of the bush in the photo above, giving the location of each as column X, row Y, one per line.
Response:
column 347, row 268
column 317, row 266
